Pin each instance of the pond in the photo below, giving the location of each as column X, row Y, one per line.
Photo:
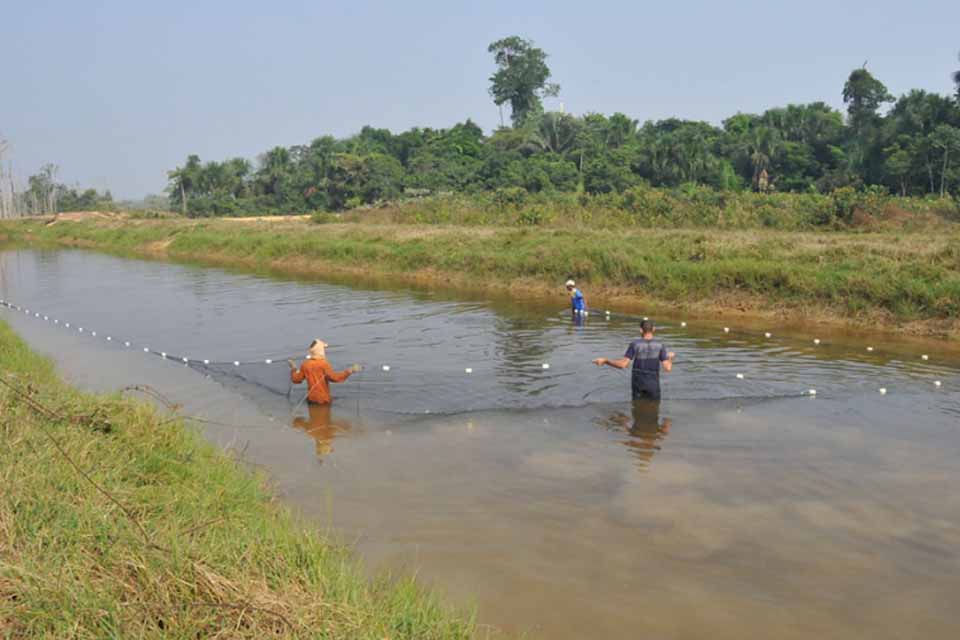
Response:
column 480, row 448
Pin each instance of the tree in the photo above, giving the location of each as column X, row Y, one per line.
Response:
column 899, row 164
column 353, row 180
column 553, row 133
column 863, row 94
column 43, row 191
column 956, row 80
column 607, row 173
column 521, row 78
column 183, row 180
column 914, row 124
column 946, row 140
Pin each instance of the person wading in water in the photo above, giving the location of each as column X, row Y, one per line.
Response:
column 578, row 304
column 648, row 356
column 317, row 372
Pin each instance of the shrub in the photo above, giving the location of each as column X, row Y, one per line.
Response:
column 324, row 217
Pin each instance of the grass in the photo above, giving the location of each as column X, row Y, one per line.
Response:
column 684, row 207
column 855, row 277
column 158, row 534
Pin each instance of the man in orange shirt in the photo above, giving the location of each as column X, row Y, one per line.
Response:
column 317, row 371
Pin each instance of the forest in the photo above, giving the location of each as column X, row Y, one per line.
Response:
column 903, row 146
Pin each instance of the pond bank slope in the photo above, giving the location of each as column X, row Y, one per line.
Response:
column 117, row 521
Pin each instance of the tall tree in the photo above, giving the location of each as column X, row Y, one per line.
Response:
column 522, row 77
column 863, row 95
column 183, row 180
column 956, row 79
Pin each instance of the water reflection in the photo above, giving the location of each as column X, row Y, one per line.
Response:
column 646, row 429
column 321, row 425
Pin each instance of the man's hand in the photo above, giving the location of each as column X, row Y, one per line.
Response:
column 293, row 366
column 356, row 368
column 600, row 362
column 671, row 355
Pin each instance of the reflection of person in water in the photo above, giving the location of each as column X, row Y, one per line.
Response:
column 646, row 429
column 321, row 426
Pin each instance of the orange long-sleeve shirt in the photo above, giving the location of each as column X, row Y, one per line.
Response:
column 317, row 372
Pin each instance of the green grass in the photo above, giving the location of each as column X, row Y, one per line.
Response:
column 857, row 276
column 682, row 207
column 181, row 542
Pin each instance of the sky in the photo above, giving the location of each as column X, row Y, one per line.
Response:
column 116, row 93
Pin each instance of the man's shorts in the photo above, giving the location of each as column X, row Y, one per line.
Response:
column 645, row 386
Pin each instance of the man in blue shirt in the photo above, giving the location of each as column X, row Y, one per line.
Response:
column 578, row 303
column 648, row 357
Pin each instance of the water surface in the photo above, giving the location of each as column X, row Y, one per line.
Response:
column 737, row 508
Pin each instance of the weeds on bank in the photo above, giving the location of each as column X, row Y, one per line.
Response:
column 117, row 523
column 903, row 276
column 686, row 206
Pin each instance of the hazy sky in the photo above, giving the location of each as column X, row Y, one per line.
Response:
column 118, row 92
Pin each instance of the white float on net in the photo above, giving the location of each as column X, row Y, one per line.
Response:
column 883, row 391
column 385, row 367
column 545, row 366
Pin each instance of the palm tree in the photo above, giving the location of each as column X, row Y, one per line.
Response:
column 184, row 181
column 620, row 129
column 554, row 133
column 761, row 145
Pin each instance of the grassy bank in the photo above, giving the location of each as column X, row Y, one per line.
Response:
column 688, row 207
column 888, row 276
column 117, row 523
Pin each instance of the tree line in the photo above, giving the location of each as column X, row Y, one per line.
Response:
column 907, row 145
column 45, row 194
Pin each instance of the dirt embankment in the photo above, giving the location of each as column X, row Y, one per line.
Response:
column 79, row 216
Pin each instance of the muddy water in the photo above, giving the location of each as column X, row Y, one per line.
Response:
column 736, row 508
